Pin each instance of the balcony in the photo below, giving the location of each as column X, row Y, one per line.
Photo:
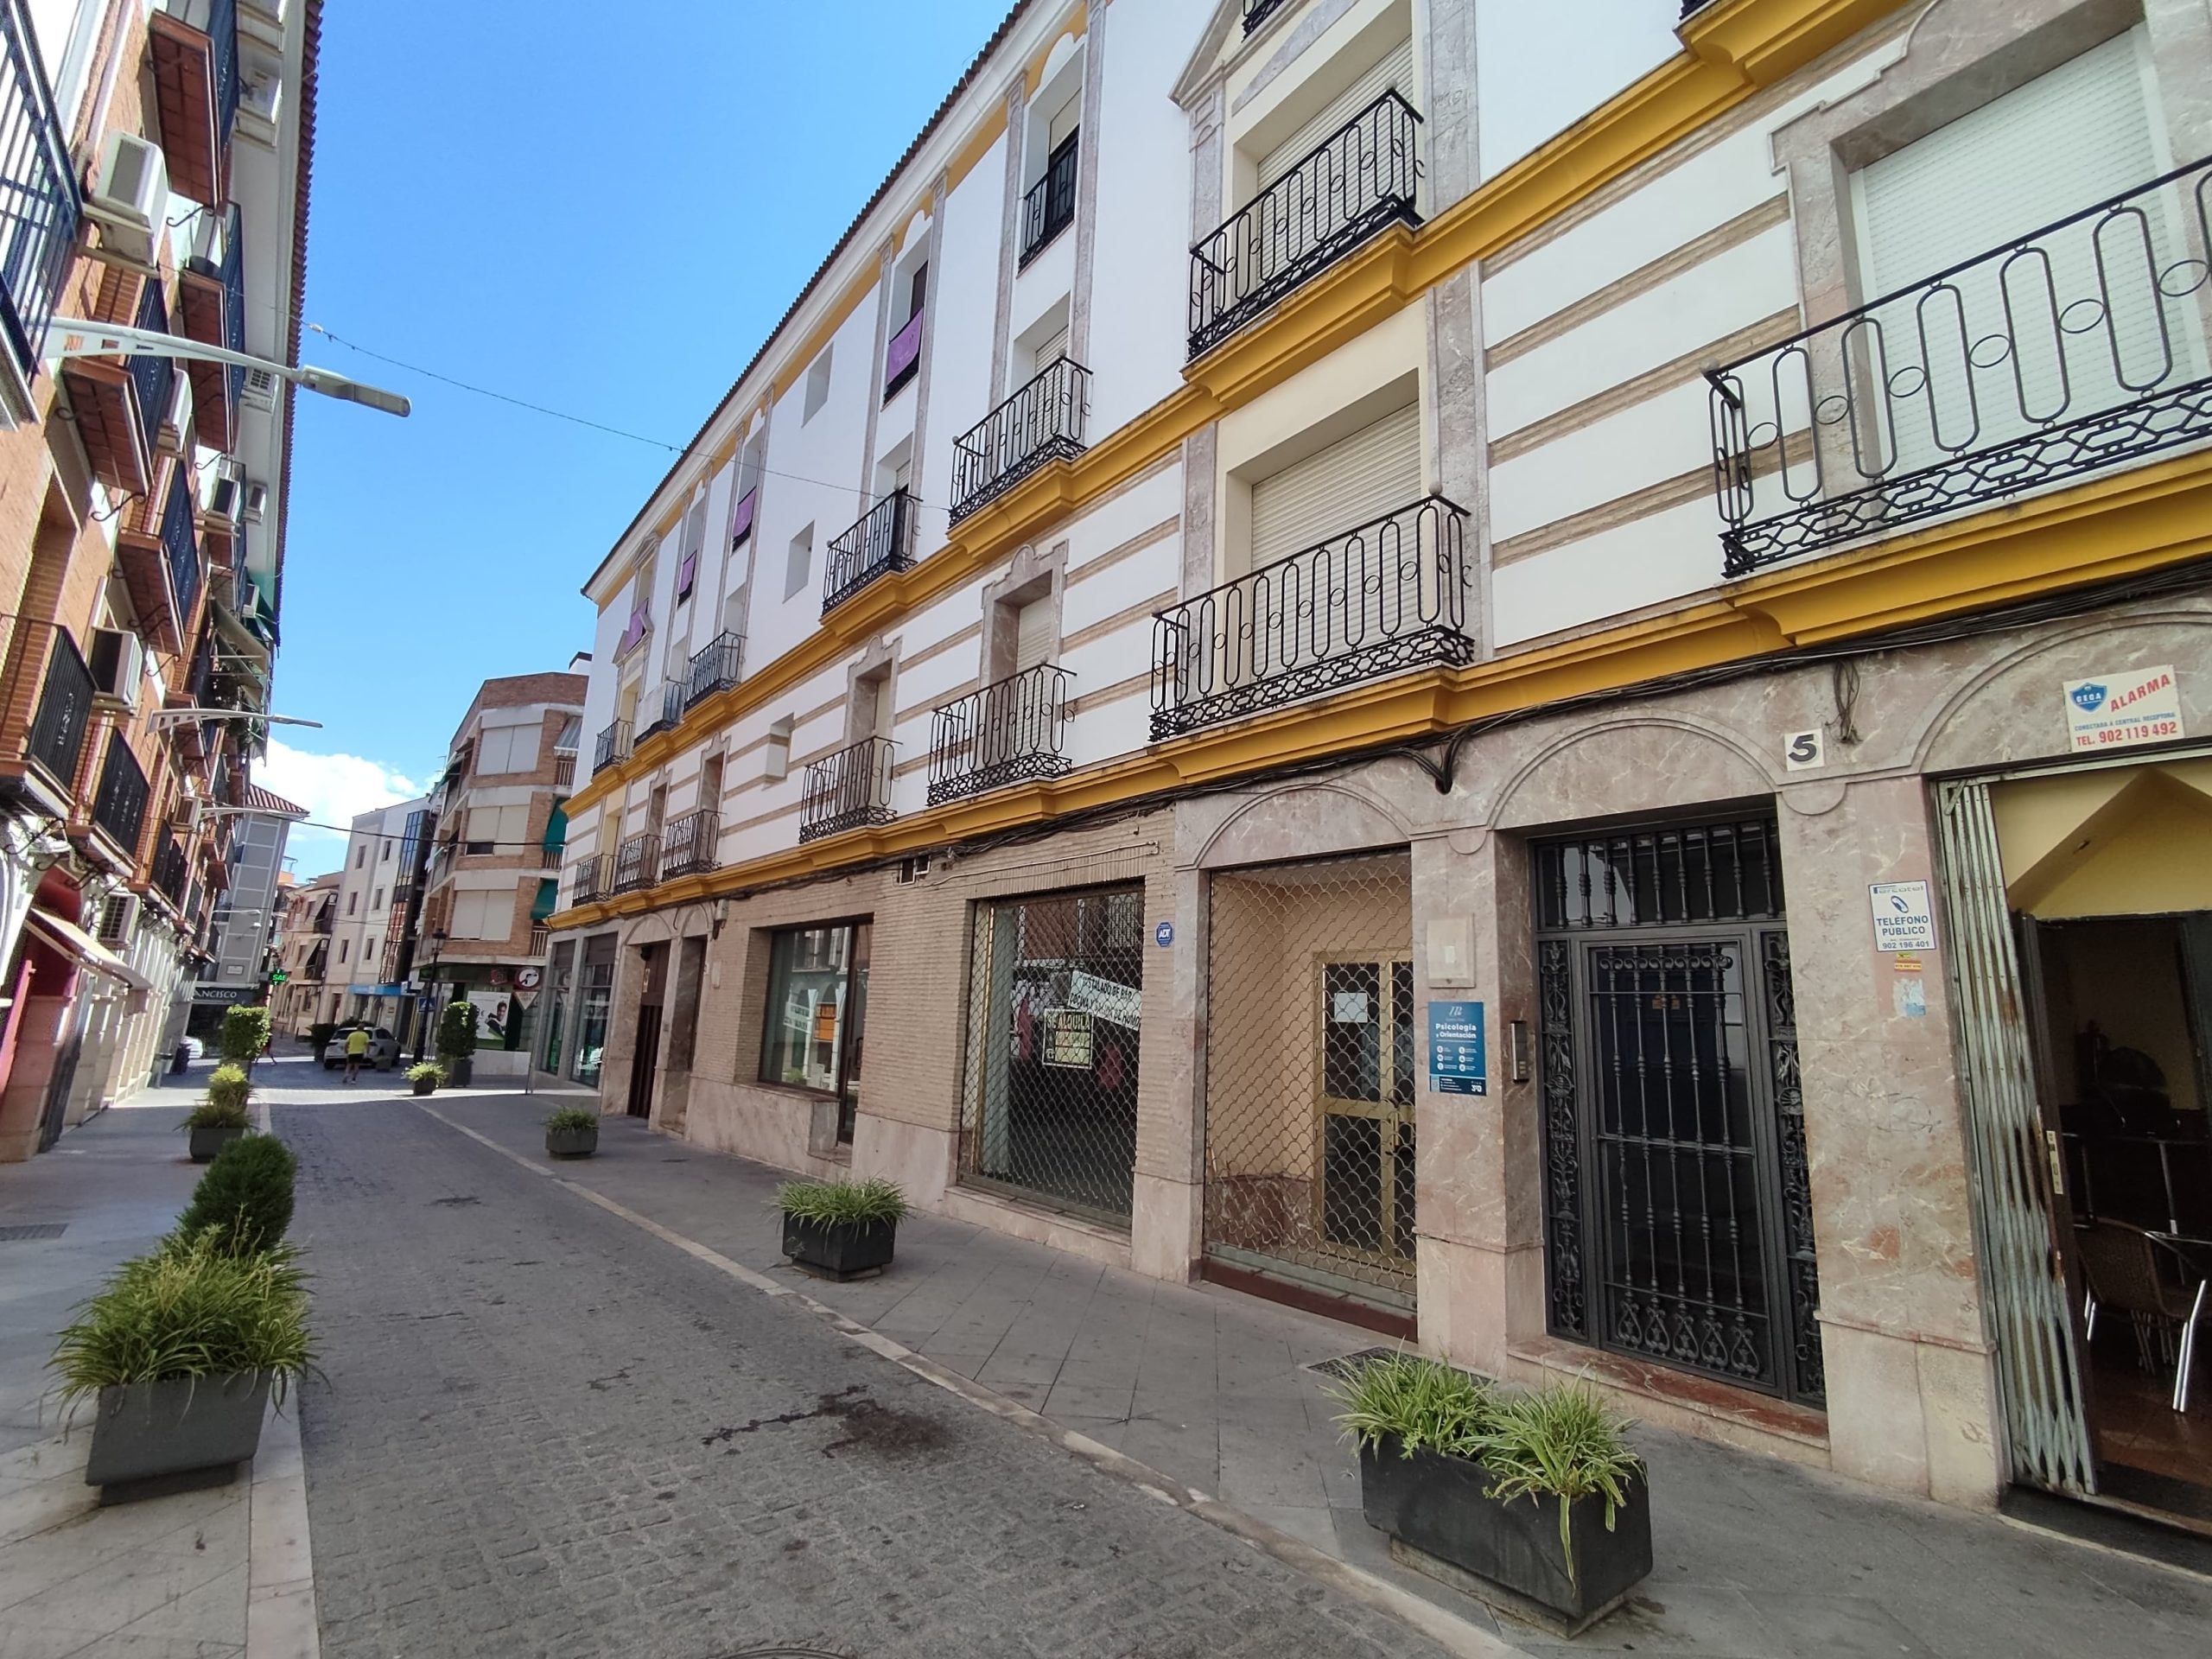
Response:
column 564, row 767
column 171, row 871
column 1359, row 181
column 715, row 668
column 1258, row 11
column 1374, row 602
column 1010, row 731
column 65, row 711
column 591, row 879
column 846, row 790
column 163, row 573
column 211, row 288
column 688, row 847
column 672, row 694
column 611, row 747
column 40, row 186
column 637, row 863
column 193, row 45
column 1040, row 423
column 2071, row 350
column 1049, row 208
column 902, row 359
column 881, row 544
column 119, row 406
column 119, row 804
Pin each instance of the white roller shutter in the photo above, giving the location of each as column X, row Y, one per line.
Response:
column 1052, row 349
column 1374, row 471
column 1394, row 72
column 1062, row 125
column 1032, row 634
column 2062, row 143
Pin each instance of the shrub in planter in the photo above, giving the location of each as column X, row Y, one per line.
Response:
column 841, row 1229
column 320, row 1035
column 245, row 1033
column 182, row 1349
column 218, row 1120
column 243, row 1203
column 426, row 1075
column 457, row 1039
column 572, row 1132
column 1446, row 1460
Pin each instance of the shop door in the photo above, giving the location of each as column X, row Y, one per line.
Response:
column 645, row 1064
column 1364, row 1016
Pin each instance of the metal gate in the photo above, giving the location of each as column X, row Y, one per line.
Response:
column 1310, row 1075
column 1054, row 1011
column 2015, row 1157
column 1678, row 1212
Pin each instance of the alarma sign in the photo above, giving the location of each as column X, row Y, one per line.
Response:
column 2119, row 710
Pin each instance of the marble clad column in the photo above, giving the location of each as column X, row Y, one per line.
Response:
column 1911, row 1394
column 1167, row 1205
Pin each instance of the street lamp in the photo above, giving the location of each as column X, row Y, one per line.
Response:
column 68, row 337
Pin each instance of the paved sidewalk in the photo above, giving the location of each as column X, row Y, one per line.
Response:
column 1756, row 1559
column 209, row 1574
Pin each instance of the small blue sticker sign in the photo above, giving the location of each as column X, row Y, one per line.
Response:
column 1457, row 1062
column 1164, row 935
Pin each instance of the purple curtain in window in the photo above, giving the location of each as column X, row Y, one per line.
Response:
column 635, row 632
column 905, row 349
column 740, row 521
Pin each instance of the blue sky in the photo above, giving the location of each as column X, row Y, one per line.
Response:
column 602, row 209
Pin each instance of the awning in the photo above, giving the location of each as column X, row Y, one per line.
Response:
column 548, row 901
column 556, row 829
column 239, row 637
column 88, row 952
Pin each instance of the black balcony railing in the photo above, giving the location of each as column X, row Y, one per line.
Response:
column 670, row 710
column 65, row 709
column 1049, row 208
column 590, row 879
column 715, row 668
column 39, row 186
column 2070, row 349
column 1258, row 11
column 1011, row 730
column 180, row 546
column 614, row 745
column 1361, row 179
column 171, row 871
column 1042, row 423
column 846, row 790
column 637, row 863
column 881, row 545
column 223, row 35
column 232, row 274
column 1374, row 601
column 687, row 848
column 154, row 378
column 119, row 804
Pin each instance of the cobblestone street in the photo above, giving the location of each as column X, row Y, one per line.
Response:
column 543, row 1431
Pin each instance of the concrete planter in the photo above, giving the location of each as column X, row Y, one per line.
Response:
column 1508, row 1553
column 426, row 1085
column 840, row 1250
column 459, row 1068
column 571, row 1143
column 205, row 1141
column 144, row 1431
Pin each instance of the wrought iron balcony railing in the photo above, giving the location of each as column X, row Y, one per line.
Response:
column 1258, row 11
column 1374, row 602
column 714, row 667
column 1043, row 422
column 846, row 790
column 180, row 548
column 613, row 745
column 881, row 544
column 688, row 846
column 40, row 186
column 672, row 695
column 902, row 358
column 590, row 879
column 171, row 870
column 65, row 711
column 1014, row 729
column 1361, row 179
column 637, row 863
column 154, row 378
column 1049, row 208
column 119, row 804
column 2068, row 349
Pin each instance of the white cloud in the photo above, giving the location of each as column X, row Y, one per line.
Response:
column 334, row 789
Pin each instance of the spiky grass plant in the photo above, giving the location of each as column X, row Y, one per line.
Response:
column 229, row 1085
column 567, row 1120
column 189, row 1310
column 212, row 1114
column 1561, row 1441
column 843, row 1204
column 428, row 1069
column 1426, row 1405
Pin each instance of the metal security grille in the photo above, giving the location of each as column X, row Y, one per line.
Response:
column 1310, row 1075
column 1678, row 1212
column 1054, row 1012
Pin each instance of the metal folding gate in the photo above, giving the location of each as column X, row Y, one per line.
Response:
column 1310, row 1084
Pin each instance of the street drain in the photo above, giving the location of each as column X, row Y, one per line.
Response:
column 466, row 1197
column 1344, row 1367
column 24, row 1232
column 785, row 1653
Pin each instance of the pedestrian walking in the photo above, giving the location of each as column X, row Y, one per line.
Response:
column 357, row 1049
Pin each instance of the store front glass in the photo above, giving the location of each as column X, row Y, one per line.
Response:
column 816, row 1013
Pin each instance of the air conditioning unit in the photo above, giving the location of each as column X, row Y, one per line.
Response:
column 117, row 660
column 131, row 199
column 261, row 389
column 115, row 918
column 176, row 419
column 257, row 499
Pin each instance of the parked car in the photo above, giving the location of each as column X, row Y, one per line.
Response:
column 384, row 1048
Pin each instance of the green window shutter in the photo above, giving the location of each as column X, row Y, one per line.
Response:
column 548, row 899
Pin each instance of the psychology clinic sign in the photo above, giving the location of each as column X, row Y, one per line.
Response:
column 2119, row 710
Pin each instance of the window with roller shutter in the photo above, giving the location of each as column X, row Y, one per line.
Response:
column 1392, row 73
column 1374, row 471
column 1034, row 636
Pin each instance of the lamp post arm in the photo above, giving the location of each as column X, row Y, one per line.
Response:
column 67, row 337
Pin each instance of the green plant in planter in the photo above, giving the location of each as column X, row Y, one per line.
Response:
column 426, row 1071
column 843, row 1204
column 457, row 1030
column 212, row 1114
column 189, row 1309
column 245, row 1033
column 243, row 1203
column 571, row 1120
column 320, row 1035
column 1561, row 1441
column 1428, row 1406
column 229, row 1086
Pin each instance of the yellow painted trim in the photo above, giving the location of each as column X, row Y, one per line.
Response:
column 978, row 145
column 860, row 289
column 1734, row 50
column 1076, row 26
column 2152, row 517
